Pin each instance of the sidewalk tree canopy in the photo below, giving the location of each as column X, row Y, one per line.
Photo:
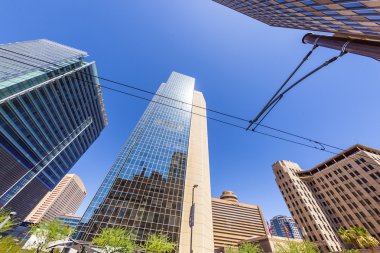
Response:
column 113, row 240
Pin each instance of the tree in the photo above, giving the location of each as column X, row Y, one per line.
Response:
column 49, row 231
column 114, row 240
column 9, row 244
column 250, row 248
column 230, row 249
column 358, row 237
column 296, row 247
column 158, row 243
column 5, row 214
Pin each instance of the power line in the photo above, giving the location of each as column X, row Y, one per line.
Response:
column 153, row 93
column 238, row 126
column 276, row 98
column 126, row 85
column 282, row 86
column 322, row 146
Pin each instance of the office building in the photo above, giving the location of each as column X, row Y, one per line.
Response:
column 65, row 198
column 234, row 221
column 348, row 18
column 284, row 226
column 149, row 187
column 69, row 220
column 340, row 192
column 51, row 111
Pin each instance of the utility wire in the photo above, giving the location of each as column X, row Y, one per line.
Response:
column 321, row 144
column 129, row 86
column 153, row 93
column 282, row 86
column 275, row 98
column 322, row 148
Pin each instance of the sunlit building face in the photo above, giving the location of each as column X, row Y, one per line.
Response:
column 144, row 191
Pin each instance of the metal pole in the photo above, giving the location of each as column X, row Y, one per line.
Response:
column 191, row 223
column 369, row 48
column 10, row 216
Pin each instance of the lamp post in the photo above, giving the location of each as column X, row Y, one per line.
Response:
column 10, row 216
column 191, row 219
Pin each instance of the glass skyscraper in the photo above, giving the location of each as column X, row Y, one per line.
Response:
column 51, row 111
column 147, row 188
column 284, row 226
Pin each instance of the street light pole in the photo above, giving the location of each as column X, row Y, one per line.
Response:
column 10, row 216
column 191, row 219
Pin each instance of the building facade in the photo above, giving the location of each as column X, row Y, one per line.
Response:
column 284, row 226
column 51, row 111
column 69, row 220
column 355, row 18
column 149, row 187
column 234, row 222
column 65, row 198
column 341, row 192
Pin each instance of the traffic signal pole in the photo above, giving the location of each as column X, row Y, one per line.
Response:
column 364, row 47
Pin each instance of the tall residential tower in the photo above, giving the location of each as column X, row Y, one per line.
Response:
column 149, row 187
column 51, row 111
column 66, row 198
column 342, row 191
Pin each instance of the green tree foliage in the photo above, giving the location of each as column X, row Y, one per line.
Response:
column 4, row 214
column 229, row 249
column 49, row 231
column 358, row 237
column 250, row 248
column 114, row 240
column 351, row 251
column 244, row 248
column 10, row 244
column 158, row 243
column 296, row 247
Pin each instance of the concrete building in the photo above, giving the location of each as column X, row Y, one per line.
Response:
column 65, row 198
column 234, row 221
column 347, row 18
column 149, row 187
column 51, row 111
column 342, row 191
column 269, row 242
column 284, row 226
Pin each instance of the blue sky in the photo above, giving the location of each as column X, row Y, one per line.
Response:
column 238, row 63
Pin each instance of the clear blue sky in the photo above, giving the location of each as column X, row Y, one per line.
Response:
column 238, row 63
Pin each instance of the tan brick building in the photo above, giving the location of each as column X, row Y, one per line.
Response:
column 234, row 221
column 342, row 191
column 65, row 198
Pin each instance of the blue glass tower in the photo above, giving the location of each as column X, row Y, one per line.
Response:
column 144, row 189
column 284, row 226
column 51, row 111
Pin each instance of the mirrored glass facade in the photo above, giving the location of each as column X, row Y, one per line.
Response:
column 51, row 111
column 360, row 18
column 143, row 191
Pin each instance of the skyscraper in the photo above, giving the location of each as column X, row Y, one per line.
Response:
column 69, row 219
column 65, row 198
column 284, row 226
column 149, row 187
column 234, row 222
column 51, row 111
column 342, row 191
column 355, row 18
